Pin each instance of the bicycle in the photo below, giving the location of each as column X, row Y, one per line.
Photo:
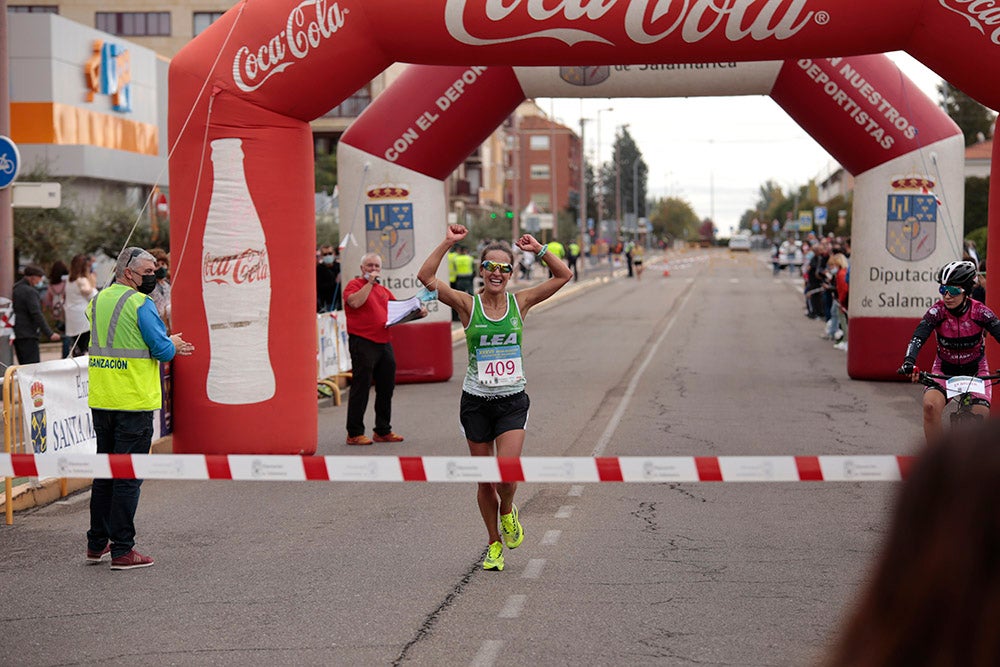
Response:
column 961, row 388
column 6, row 165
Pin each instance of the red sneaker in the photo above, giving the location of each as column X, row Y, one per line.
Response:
column 388, row 437
column 359, row 440
column 131, row 561
column 98, row 556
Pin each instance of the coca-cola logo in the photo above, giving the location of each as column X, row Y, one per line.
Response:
column 248, row 266
column 309, row 24
column 979, row 13
column 646, row 21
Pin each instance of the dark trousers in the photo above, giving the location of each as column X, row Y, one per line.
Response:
column 370, row 361
column 113, row 501
column 27, row 351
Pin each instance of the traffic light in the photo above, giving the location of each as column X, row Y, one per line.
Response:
column 493, row 215
column 510, row 215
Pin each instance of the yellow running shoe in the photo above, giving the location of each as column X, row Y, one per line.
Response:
column 513, row 534
column 494, row 557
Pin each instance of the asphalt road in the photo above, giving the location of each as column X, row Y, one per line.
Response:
column 715, row 359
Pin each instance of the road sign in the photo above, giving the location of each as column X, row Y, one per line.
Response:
column 10, row 161
column 820, row 215
column 37, row 195
column 805, row 221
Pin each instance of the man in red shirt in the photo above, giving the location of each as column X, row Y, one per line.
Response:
column 366, row 303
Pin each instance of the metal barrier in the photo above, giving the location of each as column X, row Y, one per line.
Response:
column 13, row 437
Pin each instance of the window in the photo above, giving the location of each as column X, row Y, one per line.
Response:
column 540, row 171
column 204, row 19
column 134, row 24
column 539, row 142
column 32, row 9
column 542, row 200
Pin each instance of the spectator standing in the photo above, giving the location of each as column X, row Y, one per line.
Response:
column 124, row 377
column 29, row 321
column 837, row 267
column 465, row 270
column 558, row 250
column 934, row 594
column 366, row 304
column 327, row 280
column 161, row 293
column 637, row 252
column 628, row 248
column 80, row 289
column 573, row 256
column 54, row 300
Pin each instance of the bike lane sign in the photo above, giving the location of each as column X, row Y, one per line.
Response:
column 10, row 162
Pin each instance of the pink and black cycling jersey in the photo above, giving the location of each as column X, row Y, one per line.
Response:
column 961, row 338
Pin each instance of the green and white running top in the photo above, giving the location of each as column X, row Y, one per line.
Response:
column 495, row 366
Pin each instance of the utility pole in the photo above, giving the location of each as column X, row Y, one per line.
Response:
column 7, row 267
column 582, row 208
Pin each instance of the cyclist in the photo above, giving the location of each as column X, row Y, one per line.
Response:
column 961, row 324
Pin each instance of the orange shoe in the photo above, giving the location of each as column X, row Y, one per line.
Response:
column 359, row 440
column 388, row 437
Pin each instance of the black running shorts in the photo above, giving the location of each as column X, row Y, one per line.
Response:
column 483, row 419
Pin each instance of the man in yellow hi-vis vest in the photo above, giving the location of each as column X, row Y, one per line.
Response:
column 128, row 340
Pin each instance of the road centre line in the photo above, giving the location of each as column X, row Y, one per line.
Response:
column 533, row 569
column 550, row 537
column 564, row 512
column 619, row 412
column 513, row 607
column 575, row 490
column 488, row 653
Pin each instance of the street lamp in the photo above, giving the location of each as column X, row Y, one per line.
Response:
column 618, row 181
column 597, row 157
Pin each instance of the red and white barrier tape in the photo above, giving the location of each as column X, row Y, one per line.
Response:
column 460, row 468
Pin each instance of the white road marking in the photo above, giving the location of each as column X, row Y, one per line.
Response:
column 575, row 490
column 564, row 512
column 551, row 537
column 533, row 569
column 488, row 653
column 616, row 418
column 513, row 607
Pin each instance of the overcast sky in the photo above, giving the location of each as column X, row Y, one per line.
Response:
column 714, row 152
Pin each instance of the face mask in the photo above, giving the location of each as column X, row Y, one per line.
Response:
column 147, row 285
column 161, row 273
column 328, row 259
column 834, row 270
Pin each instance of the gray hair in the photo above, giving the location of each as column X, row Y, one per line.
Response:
column 127, row 257
column 371, row 255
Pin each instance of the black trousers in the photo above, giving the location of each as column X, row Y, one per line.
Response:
column 28, row 351
column 370, row 361
column 113, row 502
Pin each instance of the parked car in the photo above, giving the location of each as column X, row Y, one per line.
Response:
column 740, row 242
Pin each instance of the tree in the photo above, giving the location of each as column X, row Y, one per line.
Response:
column 326, row 172
column 977, row 192
column 972, row 118
column 673, row 218
column 626, row 155
column 115, row 224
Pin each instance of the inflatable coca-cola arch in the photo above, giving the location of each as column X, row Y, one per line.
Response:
column 265, row 69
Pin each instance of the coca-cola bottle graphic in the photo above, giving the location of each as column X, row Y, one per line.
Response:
column 236, row 285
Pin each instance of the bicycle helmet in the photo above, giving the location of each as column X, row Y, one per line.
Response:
column 960, row 274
